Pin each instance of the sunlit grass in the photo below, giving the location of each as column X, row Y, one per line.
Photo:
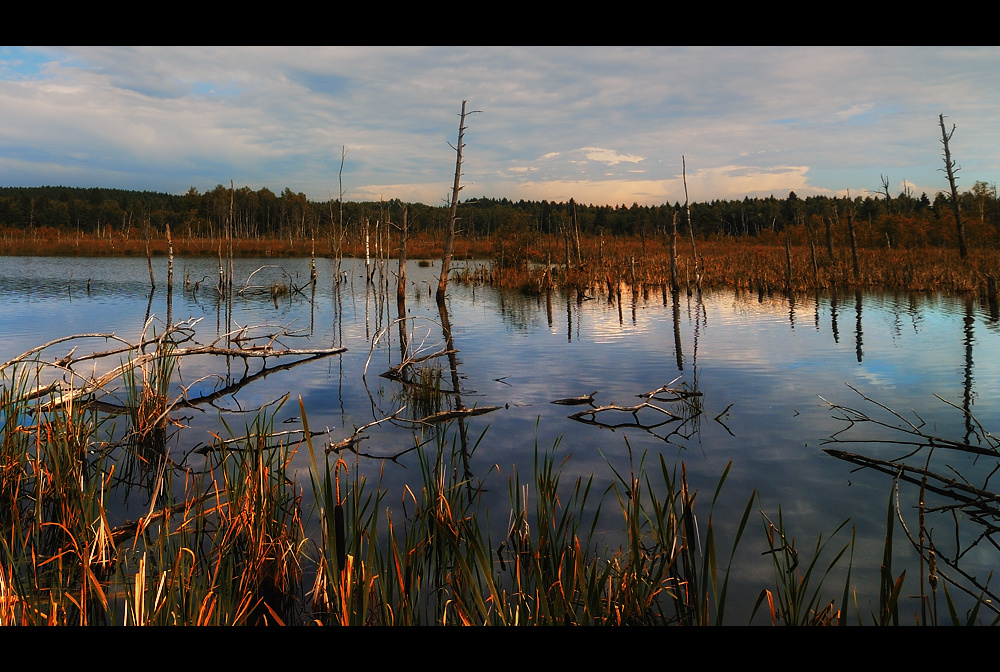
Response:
column 233, row 543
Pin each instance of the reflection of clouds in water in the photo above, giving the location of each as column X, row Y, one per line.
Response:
column 748, row 355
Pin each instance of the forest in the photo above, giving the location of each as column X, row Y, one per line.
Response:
column 901, row 221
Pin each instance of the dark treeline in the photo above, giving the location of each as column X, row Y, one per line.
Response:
column 881, row 220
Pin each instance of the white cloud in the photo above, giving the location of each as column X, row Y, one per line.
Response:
column 173, row 117
column 610, row 156
column 853, row 111
column 740, row 181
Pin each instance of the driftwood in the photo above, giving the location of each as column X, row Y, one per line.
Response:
column 298, row 434
column 677, row 393
column 165, row 346
column 354, row 439
column 232, row 388
column 582, row 416
column 949, row 487
column 910, row 434
column 131, row 528
column 396, row 372
column 689, row 412
column 94, row 384
column 980, row 505
column 445, row 416
column 577, row 401
column 62, row 362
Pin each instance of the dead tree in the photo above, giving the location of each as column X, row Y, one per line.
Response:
column 687, row 206
column 576, row 233
column 404, row 233
column 674, row 286
column 449, row 240
column 829, row 234
column 950, row 168
column 854, row 240
column 885, row 190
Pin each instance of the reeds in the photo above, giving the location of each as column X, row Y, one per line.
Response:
column 751, row 265
column 442, row 563
column 233, row 543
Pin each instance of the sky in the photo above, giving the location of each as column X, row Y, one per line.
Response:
column 603, row 125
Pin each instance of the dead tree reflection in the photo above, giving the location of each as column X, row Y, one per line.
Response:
column 958, row 513
column 970, row 338
column 682, row 420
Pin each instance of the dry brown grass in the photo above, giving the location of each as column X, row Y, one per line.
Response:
column 750, row 264
column 753, row 266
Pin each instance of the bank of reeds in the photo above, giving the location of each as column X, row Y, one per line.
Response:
column 117, row 244
column 753, row 267
column 227, row 543
column 535, row 263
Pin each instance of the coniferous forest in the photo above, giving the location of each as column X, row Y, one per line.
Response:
column 903, row 220
column 900, row 241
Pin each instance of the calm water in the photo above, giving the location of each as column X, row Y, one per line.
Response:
column 768, row 359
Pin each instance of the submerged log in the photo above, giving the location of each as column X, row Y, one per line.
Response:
column 445, row 416
column 577, row 401
column 396, row 372
column 676, row 392
column 582, row 416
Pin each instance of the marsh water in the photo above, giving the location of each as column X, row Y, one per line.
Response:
column 765, row 366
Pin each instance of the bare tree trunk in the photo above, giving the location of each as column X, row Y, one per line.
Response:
column 576, row 234
column 566, row 242
column 854, row 242
column 368, row 261
column 829, row 236
column 949, row 167
column 401, row 284
column 149, row 263
column 885, row 190
column 170, row 259
column 229, row 234
column 687, row 206
column 788, row 260
column 340, row 225
column 812, row 251
column 449, row 240
column 674, row 286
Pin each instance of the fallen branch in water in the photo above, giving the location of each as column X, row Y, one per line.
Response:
column 24, row 355
column 445, row 416
column 577, row 401
column 131, row 528
column 162, row 346
column 914, row 435
column 634, row 410
column 354, row 439
column 962, row 501
column 395, row 372
column 298, row 434
column 949, row 487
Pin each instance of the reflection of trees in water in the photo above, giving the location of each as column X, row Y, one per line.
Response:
column 957, row 517
column 858, row 333
column 463, row 433
column 969, row 323
column 833, row 317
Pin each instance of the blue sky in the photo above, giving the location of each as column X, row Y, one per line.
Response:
column 599, row 124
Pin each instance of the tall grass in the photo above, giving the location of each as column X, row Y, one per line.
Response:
column 233, row 543
column 445, row 563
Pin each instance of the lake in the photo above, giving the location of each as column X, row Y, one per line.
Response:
column 763, row 364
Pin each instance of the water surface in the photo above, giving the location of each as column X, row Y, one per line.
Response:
column 770, row 360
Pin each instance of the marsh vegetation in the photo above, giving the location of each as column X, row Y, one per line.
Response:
column 178, row 478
